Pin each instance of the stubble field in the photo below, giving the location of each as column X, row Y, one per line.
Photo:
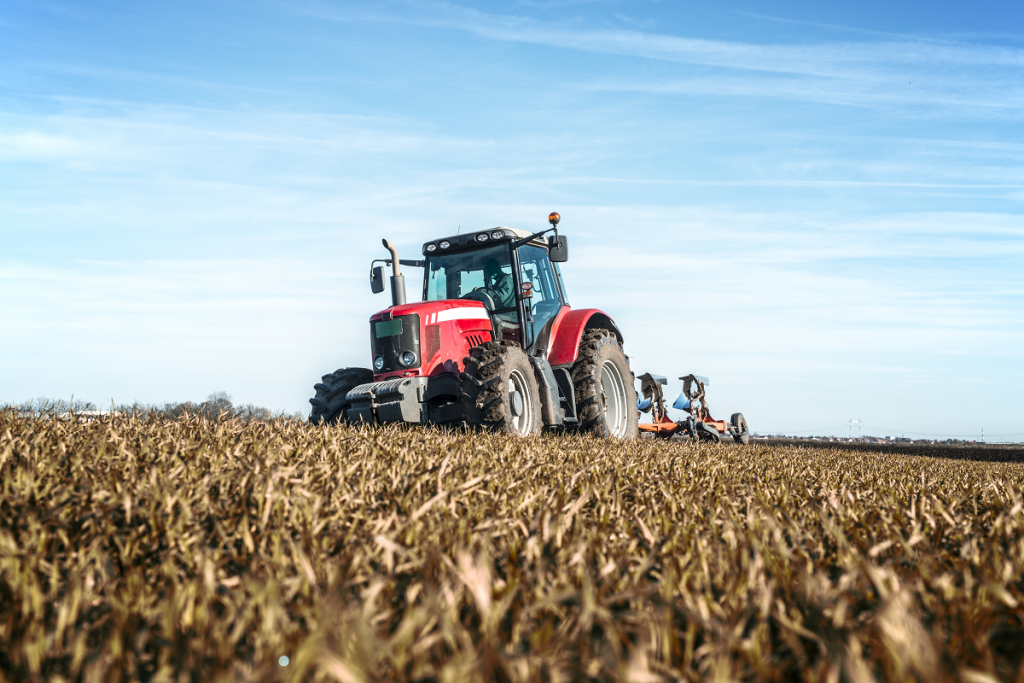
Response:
column 197, row 550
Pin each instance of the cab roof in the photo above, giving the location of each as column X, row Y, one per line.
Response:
column 469, row 239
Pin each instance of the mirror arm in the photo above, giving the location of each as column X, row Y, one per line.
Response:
column 404, row 262
column 521, row 242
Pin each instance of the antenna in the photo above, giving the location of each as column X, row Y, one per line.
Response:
column 459, row 230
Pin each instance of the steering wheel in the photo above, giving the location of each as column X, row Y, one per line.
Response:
column 483, row 296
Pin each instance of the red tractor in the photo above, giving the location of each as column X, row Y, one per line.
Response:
column 493, row 344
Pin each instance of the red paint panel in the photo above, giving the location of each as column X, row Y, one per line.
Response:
column 455, row 345
column 556, row 327
column 431, row 342
column 567, row 332
column 466, row 326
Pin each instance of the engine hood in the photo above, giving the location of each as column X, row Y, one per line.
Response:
column 432, row 312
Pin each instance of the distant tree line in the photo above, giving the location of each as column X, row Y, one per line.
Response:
column 217, row 405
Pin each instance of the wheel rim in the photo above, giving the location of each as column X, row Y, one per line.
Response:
column 613, row 395
column 519, row 395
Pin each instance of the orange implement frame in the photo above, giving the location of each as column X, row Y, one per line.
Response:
column 664, row 428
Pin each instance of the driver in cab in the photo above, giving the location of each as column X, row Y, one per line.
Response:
column 498, row 284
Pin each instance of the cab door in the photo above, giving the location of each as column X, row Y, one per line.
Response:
column 545, row 300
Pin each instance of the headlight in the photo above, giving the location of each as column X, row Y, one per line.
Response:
column 498, row 234
column 482, row 237
column 407, row 358
column 378, row 363
column 431, row 247
column 444, row 244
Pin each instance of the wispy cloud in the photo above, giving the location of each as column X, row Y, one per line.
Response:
column 836, row 59
column 870, row 72
column 987, row 95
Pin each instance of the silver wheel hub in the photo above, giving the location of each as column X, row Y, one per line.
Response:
column 515, row 401
column 520, row 403
column 613, row 399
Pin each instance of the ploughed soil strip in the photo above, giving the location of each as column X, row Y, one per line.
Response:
column 978, row 452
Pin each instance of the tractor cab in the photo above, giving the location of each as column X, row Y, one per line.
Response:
column 513, row 273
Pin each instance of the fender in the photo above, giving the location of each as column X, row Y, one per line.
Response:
column 568, row 329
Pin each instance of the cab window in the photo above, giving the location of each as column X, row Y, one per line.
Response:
column 452, row 276
column 536, row 269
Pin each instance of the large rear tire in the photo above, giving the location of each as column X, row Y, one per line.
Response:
column 329, row 404
column 740, row 432
column 500, row 390
column 605, row 401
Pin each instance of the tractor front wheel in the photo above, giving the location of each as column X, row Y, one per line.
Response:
column 329, row 404
column 500, row 390
column 605, row 402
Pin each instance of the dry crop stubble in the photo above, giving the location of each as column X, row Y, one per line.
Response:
column 205, row 550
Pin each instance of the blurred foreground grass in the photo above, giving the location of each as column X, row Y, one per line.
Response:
column 191, row 550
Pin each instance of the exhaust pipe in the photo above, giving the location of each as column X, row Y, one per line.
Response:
column 397, row 279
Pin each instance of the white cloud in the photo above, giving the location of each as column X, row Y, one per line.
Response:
column 34, row 146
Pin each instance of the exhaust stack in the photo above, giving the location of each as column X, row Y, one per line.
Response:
column 397, row 279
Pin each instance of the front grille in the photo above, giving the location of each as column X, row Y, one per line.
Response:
column 391, row 346
column 474, row 340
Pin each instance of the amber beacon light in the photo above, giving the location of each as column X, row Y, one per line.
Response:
column 553, row 218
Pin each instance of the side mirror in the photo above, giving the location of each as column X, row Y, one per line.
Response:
column 558, row 248
column 377, row 279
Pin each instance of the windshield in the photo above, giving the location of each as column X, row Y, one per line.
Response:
column 452, row 276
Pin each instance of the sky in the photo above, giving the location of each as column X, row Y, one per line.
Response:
column 819, row 206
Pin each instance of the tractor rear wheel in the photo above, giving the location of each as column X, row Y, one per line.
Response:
column 329, row 404
column 740, row 433
column 500, row 390
column 605, row 402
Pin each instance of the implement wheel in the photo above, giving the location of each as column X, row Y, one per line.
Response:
column 329, row 404
column 605, row 399
column 740, row 433
column 499, row 389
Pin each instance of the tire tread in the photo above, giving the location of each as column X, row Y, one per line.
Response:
column 584, row 375
column 484, row 389
column 329, row 404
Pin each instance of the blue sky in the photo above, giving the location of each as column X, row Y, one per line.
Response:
column 820, row 207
